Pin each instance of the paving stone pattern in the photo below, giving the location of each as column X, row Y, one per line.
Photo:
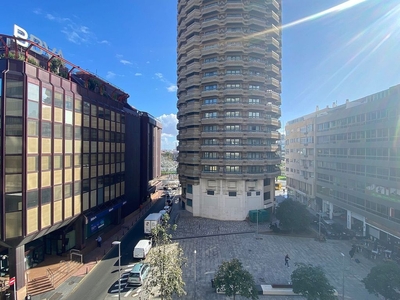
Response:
column 263, row 256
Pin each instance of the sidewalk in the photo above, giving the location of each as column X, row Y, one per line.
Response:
column 92, row 254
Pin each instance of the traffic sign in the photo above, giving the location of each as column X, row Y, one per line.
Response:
column 11, row 281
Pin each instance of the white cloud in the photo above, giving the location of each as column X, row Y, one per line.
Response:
column 169, row 123
column 110, row 75
column 118, row 55
column 50, row 17
column 171, row 87
column 138, row 74
column 37, row 11
column 104, row 42
column 125, row 62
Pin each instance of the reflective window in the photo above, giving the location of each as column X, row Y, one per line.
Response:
column 33, row 109
column 46, row 129
column 32, row 199
column 13, row 202
column 13, row 163
column 47, row 96
column 33, row 92
column 46, row 196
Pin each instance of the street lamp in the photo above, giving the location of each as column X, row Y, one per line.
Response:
column 119, row 267
column 195, row 277
column 343, row 276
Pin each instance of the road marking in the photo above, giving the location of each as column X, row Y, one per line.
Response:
column 128, row 293
column 128, row 270
column 130, row 265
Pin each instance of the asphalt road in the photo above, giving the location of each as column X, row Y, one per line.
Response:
column 102, row 281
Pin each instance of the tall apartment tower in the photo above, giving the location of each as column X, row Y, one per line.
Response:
column 229, row 73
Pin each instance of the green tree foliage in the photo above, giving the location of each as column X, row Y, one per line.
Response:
column 234, row 280
column 311, row 282
column 55, row 65
column 292, row 215
column 166, row 260
column 384, row 280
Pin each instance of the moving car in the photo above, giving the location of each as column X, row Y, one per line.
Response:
column 138, row 274
column 329, row 232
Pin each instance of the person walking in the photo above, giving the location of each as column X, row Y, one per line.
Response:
column 287, row 260
column 99, row 239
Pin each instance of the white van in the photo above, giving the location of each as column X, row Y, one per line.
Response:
column 142, row 248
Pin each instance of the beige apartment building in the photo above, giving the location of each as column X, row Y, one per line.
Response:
column 229, row 73
column 344, row 161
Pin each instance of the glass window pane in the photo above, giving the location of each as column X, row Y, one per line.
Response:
column 46, row 163
column 33, row 92
column 14, row 88
column 13, row 202
column 58, row 100
column 67, row 190
column 58, row 131
column 13, row 163
column 78, row 133
column 77, row 161
column 47, row 96
column 78, row 105
column 13, row 183
column 14, row 126
column 13, row 145
column 46, row 196
column 33, row 110
column 14, row 107
column 58, row 162
column 77, row 188
column 46, row 129
column 86, row 108
column 67, row 161
column 32, row 199
column 68, row 132
column 68, row 117
column 32, row 163
column 33, row 128
column 57, row 190
column 69, row 102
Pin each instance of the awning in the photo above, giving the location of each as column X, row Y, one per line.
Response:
column 93, row 215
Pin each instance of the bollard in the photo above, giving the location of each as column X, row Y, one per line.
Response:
column 87, row 270
column 96, row 260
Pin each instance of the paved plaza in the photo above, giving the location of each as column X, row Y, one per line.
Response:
column 262, row 255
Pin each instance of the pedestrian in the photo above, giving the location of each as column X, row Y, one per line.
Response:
column 287, row 260
column 99, row 239
column 352, row 252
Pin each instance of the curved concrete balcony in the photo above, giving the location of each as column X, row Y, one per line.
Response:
column 210, row 134
column 273, row 122
column 195, row 26
column 193, row 53
column 273, row 56
column 195, row 13
column 255, row 78
column 210, row 8
column 273, row 161
column 234, row 5
column 273, row 84
column 273, row 17
column 209, row 79
column 272, row 69
column 211, row 121
column 272, row 43
column 214, row 22
column 211, row 107
column 209, row 148
column 233, row 105
column 274, row 109
column 258, row 93
column 233, row 134
column 273, row 97
column 208, row 38
column 273, row 135
column 232, row 63
column 258, row 22
column 273, row 4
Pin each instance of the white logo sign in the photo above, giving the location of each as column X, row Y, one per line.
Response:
column 21, row 33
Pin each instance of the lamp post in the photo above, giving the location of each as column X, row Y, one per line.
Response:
column 119, row 267
column 195, row 277
column 343, row 276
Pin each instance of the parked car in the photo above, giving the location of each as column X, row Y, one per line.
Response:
column 138, row 274
column 345, row 233
column 168, row 208
column 329, row 232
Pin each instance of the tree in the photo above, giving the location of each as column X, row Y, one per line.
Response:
column 311, row 282
column 234, row 280
column 292, row 215
column 166, row 260
column 384, row 279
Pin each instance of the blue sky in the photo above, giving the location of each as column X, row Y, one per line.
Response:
column 327, row 57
